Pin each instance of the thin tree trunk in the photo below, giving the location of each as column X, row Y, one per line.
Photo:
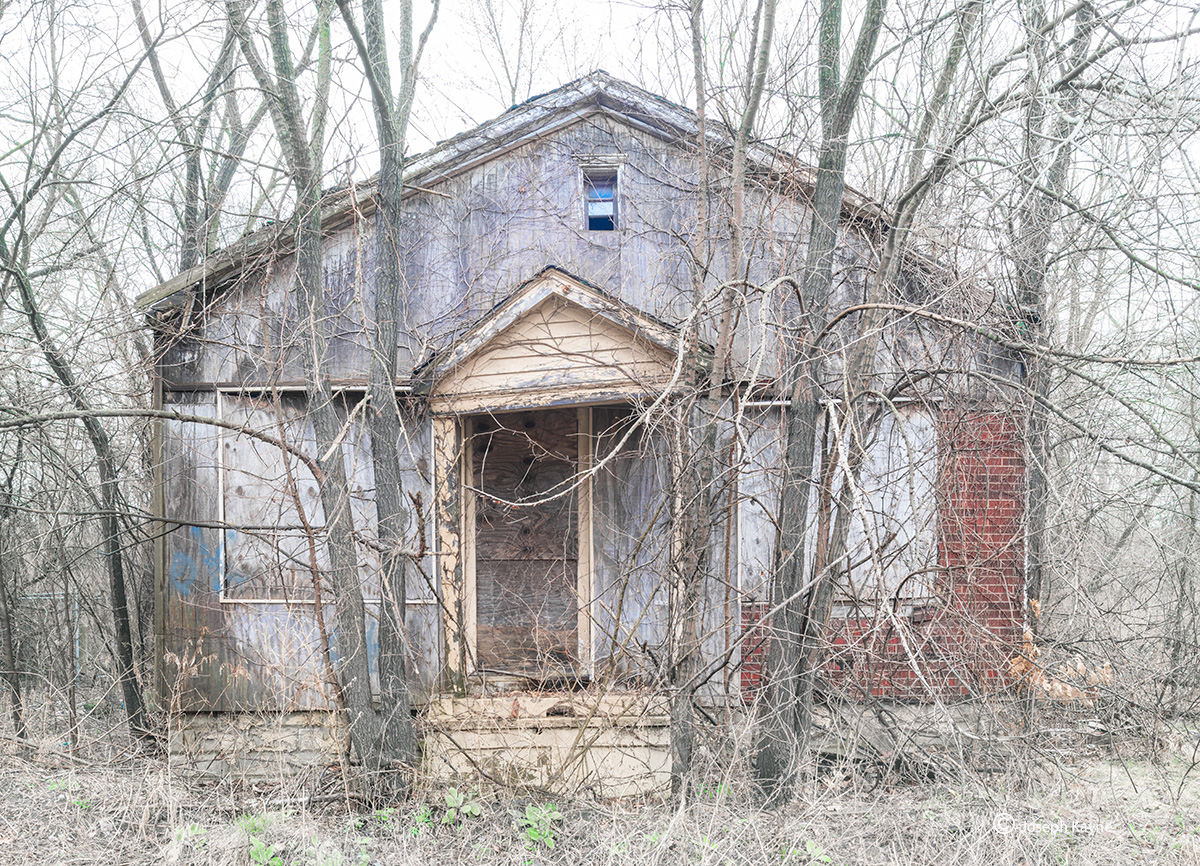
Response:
column 302, row 148
column 1032, row 253
column 799, row 611
column 110, row 524
column 701, row 481
column 8, row 655
column 391, row 121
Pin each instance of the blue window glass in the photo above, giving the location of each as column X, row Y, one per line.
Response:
column 600, row 191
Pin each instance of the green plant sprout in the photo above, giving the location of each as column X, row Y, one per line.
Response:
column 537, row 824
column 262, row 854
column 252, row 825
column 192, row 835
column 383, row 816
column 459, row 806
column 812, row 854
column 422, row 820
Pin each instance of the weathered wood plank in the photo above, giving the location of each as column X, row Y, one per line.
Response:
column 526, row 542
column 630, row 550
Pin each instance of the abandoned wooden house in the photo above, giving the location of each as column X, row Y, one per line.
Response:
column 550, row 289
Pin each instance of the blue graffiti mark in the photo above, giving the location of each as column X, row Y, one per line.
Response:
column 210, row 557
column 184, row 571
column 335, row 657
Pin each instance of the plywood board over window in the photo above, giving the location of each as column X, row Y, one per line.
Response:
column 891, row 543
column 892, row 546
column 274, row 534
column 270, row 501
column 631, row 537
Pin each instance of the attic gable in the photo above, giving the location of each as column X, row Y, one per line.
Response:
column 595, row 94
column 556, row 340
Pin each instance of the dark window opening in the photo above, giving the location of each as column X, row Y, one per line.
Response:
column 600, row 192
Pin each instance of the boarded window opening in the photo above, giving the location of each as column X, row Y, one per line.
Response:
column 266, row 549
column 268, row 554
column 526, row 543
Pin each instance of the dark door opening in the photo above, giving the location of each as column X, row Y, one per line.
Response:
column 526, row 542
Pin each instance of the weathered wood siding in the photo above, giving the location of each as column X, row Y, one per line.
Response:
column 240, row 626
column 235, row 638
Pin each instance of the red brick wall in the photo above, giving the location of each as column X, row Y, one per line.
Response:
column 958, row 641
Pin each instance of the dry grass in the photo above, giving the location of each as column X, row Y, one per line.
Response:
column 1102, row 810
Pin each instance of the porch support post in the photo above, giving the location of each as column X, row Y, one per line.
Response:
column 447, row 492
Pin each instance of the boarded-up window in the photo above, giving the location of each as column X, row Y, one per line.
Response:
column 274, row 535
column 631, row 543
column 416, row 485
column 760, row 480
column 891, row 545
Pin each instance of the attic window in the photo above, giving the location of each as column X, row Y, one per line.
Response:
column 600, row 199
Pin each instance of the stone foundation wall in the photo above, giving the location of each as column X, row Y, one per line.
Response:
column 615, row 746
column 610, row 746
column 254, row 746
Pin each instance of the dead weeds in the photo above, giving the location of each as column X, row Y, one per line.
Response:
column 137, row 811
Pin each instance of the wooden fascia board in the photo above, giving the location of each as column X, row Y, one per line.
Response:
column 541, row 398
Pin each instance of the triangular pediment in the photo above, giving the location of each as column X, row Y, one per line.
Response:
column 556, row 340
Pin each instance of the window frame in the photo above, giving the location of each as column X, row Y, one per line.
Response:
column 589, row 174
column 222, row 434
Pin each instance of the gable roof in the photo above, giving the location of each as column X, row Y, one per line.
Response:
column 557, row 337
column 597, row 93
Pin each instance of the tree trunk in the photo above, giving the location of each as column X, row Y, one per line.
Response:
column 8, row 655
column 1032, row 253
column 800, row 609
column 110, row 523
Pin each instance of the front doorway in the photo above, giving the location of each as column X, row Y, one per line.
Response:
column 523, row 477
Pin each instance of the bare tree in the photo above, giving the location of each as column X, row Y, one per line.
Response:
column 391, row 122
column 302, row 145
column 801, row 610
